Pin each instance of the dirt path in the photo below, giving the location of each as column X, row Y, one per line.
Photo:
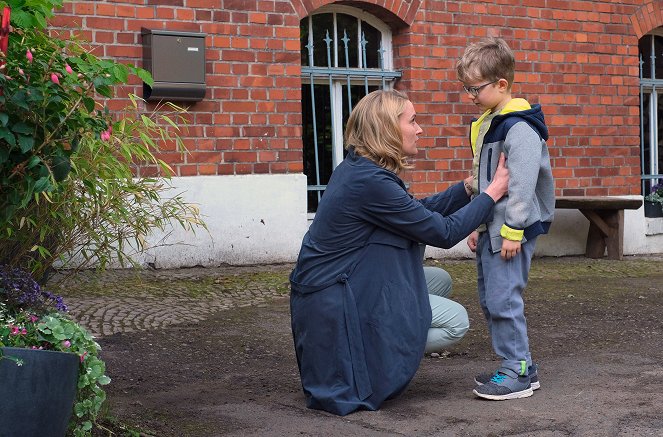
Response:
column 595, row 328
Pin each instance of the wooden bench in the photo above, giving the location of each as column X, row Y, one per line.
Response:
column 606, row 222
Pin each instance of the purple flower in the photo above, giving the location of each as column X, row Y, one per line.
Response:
column 20, row 291
column 66, row 344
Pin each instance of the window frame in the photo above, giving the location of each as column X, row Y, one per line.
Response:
column 337, row 79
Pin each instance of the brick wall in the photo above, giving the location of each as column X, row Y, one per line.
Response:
column 577, row 58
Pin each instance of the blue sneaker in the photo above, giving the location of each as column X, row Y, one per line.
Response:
column 532, row 372
column 505, row 384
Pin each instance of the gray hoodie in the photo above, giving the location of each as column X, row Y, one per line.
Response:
column 528, row 209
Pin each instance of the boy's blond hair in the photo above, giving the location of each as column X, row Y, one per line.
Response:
column 490, row 59
column 374, row 130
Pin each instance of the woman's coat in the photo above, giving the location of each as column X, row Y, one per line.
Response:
column 359, row 305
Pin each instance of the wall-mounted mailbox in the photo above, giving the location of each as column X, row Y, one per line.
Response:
column 177, row 63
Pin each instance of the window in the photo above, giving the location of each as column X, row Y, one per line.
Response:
column 651, row 109
column 345, row 54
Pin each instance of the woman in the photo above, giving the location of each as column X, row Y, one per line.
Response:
column 359, row 304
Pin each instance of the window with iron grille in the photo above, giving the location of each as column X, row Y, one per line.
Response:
column 651, row 109
column 345, row 54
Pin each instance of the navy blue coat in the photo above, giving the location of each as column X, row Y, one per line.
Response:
column 359, row 305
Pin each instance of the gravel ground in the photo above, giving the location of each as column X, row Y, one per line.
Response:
column 208, row 352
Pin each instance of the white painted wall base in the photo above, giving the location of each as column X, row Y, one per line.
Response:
column 259, row 219
column 251, row 219
column 568, row 235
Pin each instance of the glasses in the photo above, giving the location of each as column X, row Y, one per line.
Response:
column 475, row 90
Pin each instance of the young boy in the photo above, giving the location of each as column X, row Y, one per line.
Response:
column 504, row 247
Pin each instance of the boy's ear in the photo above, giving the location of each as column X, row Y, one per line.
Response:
column 503, row 84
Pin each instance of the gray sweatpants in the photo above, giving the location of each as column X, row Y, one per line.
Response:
column 501, row 285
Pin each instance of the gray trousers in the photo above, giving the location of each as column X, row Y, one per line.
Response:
column 450, row 321
column 501, row 285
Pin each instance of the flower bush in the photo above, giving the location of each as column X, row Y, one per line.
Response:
column 68, row 166
column 31, row 317
column 656, row 194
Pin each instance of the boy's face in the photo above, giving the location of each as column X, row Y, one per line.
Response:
column 488, row 95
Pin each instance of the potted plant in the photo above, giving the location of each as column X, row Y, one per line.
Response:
column 49, row 365
column 80, row 186
column 654, row 201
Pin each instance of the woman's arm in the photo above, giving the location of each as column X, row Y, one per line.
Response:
column 388, row 206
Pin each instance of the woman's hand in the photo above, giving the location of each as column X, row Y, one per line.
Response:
column 467, row 183
column 500, row 184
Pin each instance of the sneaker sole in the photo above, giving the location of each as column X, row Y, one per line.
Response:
column 535, row 385
column 517, row 395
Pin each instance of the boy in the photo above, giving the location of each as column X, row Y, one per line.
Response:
column 505, row 245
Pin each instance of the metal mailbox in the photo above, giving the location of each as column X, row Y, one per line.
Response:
column 176, row 61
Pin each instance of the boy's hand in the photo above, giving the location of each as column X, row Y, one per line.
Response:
column 472, row 241
column 509, row 249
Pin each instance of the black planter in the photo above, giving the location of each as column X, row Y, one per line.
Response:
column 37, row 398
column 653, row 209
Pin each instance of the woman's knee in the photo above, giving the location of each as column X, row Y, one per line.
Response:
column 438, row 281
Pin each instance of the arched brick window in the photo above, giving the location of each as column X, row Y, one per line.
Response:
column 651, row 108
column 345, row 54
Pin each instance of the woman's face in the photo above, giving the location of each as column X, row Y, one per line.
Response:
column 409, row 129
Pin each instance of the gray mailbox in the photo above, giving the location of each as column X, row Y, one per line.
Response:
column 177, row 63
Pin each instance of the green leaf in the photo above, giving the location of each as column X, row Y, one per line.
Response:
column 33, row 161
column 6, row 135
column 42, row 184
column 22, row 128
column 26, row 143
column 103, row 380
column 61, row 167
column 121, row 73
column 104, row 90
column 4, row 118
column 145, row 76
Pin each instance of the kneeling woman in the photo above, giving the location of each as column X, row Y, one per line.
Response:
column 359, row 303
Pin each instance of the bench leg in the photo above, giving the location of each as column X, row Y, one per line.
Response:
column 595, row 246
column 606, row 229
column 615, row 241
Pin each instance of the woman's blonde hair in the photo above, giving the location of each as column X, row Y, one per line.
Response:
column 374, row 130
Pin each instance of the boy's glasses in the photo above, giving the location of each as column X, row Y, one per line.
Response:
column 475, row 90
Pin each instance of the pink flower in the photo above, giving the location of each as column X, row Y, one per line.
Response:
column 105, row 135
column 68, row 69
column 33, row 318
column 54, row 78
column 15, row 329
column 28, row 55
column 24, row 331
column 83, row 356
column 21, row 72
column 66, row 344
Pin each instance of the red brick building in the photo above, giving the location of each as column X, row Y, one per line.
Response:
column 253, row 137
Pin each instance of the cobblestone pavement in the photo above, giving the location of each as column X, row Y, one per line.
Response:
column 127, row 301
